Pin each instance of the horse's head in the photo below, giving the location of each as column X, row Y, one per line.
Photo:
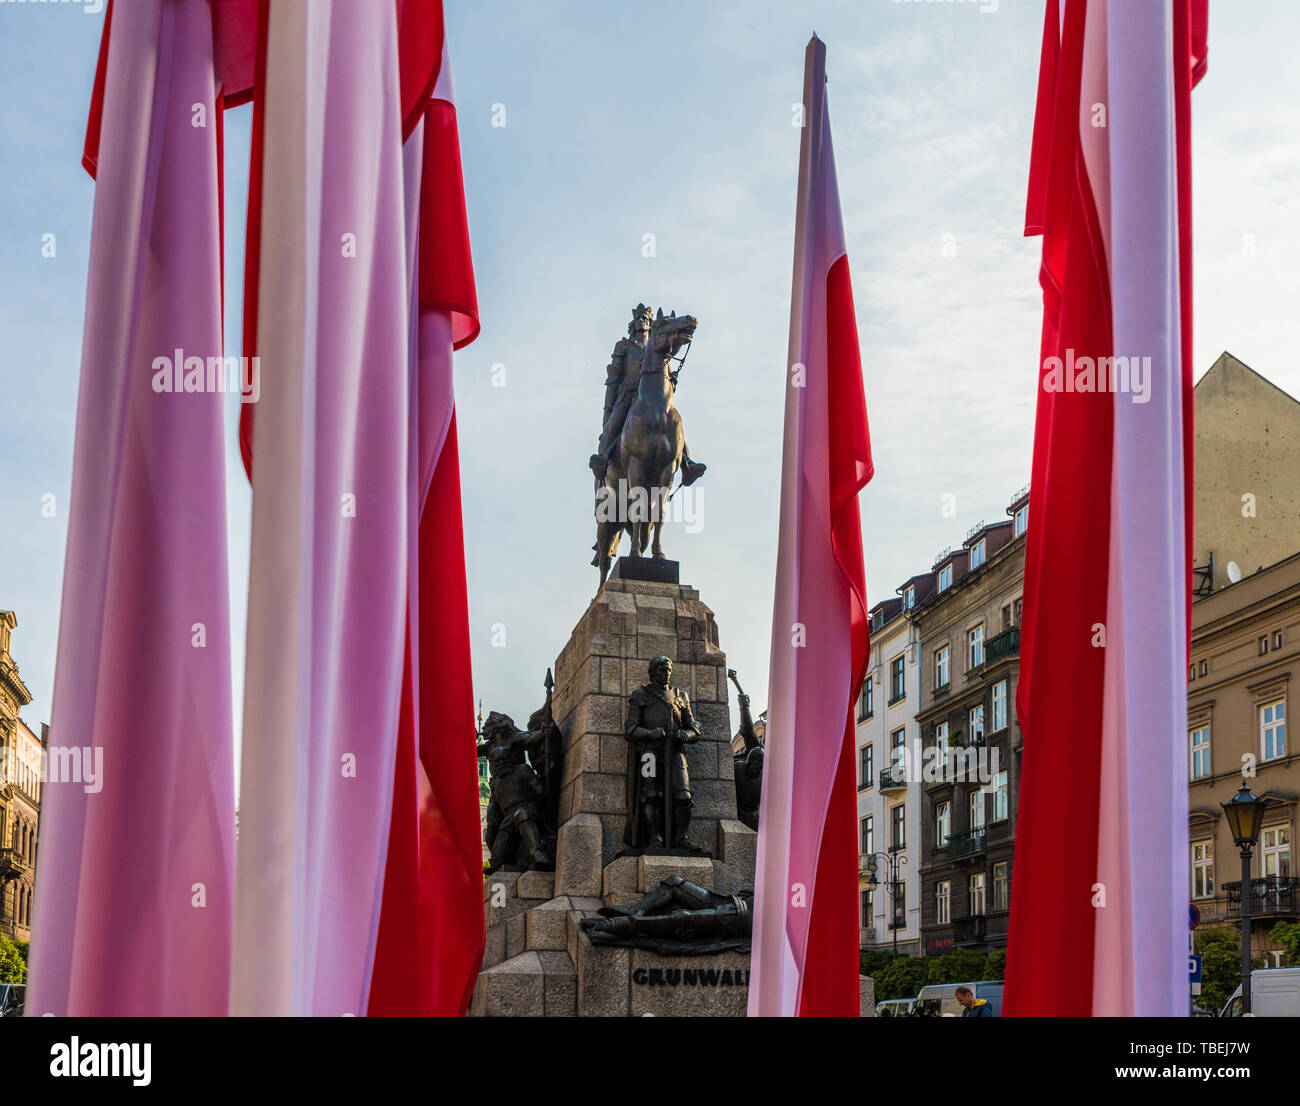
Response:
column 669, row 332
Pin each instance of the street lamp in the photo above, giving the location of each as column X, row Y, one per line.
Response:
column 893, row 858
column 1245, row 813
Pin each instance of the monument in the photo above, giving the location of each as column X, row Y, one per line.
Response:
column 647, row 910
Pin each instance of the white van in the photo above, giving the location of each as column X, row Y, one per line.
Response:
column 1274, row 993
column 939, row 1000
column 894, row 1007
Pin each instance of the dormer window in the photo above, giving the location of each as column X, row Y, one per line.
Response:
column 977, row 554
column 1022, row 520
column 909, row 597
column 945, row 577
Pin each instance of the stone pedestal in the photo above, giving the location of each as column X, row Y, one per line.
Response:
column 539, row 961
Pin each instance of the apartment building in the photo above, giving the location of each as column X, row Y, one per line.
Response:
column 21, row 767
column 1245, row 655
column 1245, row 643
column 969, row 629
column 888, row 796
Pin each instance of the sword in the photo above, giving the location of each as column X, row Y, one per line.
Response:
column 667, row 783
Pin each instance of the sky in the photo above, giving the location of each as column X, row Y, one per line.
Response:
column 622, row 122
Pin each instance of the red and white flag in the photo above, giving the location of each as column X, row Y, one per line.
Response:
column 431, row 931
column 359, row 883
column 136, row 868
column 805, row 950
column 1099, row 891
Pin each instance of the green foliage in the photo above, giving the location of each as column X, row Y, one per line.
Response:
column 959, row 966
column 1220, row 953
column 1287, row 934
column 13, row 961
column 901, row 978
column 905, row 976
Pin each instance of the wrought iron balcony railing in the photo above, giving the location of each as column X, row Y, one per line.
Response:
column 966, row 844
column 892, row 779
column 1270, row 897
column 1005, row 644
column 968, row 930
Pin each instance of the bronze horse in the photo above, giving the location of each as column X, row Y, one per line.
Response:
column 649, row 451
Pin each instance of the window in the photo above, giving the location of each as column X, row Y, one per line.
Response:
column 1200, row 738
column 866, row 765
column 943, row 902
column 941, row 667
column 1022, row 520
column 1001, row 885
column 1203, row 869
column 1000, row 706
column 867, row 705
column 941, row 737
column 1203, row 669
column 898, row 753
column 1277, row 639
column 867, row 909
column 1275, row 849
column 942, row 824
column 977, row 724
column 899, row 815
column 909, row 597
column 868, row 836
column 1001, row 804
column 899, row 904
column 977, row 554
column 945, row 577
column 1006, row 616
column 1263, row 645
column 1272, row 726
column 977, row 809
column 977, row 893
column 975, row 647
column 897, row 679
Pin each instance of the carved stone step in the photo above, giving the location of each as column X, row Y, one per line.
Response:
column 530, row 985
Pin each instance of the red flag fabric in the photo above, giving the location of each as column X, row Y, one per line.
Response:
column 1077, row 886
column 805, row 906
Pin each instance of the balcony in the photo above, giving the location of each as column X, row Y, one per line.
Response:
column 970, row 930
column 12, row 863
column 1270, row 897
column 1005, row 644
column 892, row 779
column 970, row 843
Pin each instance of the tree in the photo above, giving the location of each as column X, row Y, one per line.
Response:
column 1287, row 934
column 13, row 962
column 1220, row 952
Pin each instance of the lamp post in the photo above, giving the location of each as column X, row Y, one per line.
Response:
column 1245, row 813
column 893, row 859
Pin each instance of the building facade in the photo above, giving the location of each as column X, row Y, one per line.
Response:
column 888, row 800
column 21, row 770
column 1245, row 662
column 970, row 648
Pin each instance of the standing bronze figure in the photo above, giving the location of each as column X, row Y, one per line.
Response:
column 642, row 443
column 517, row 831
column 748, row 763
column 659, row 727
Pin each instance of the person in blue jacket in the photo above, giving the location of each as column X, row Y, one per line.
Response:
column 974, row 1007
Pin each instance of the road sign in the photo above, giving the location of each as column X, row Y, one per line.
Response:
column 1194, row 916
column 1194, row 969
